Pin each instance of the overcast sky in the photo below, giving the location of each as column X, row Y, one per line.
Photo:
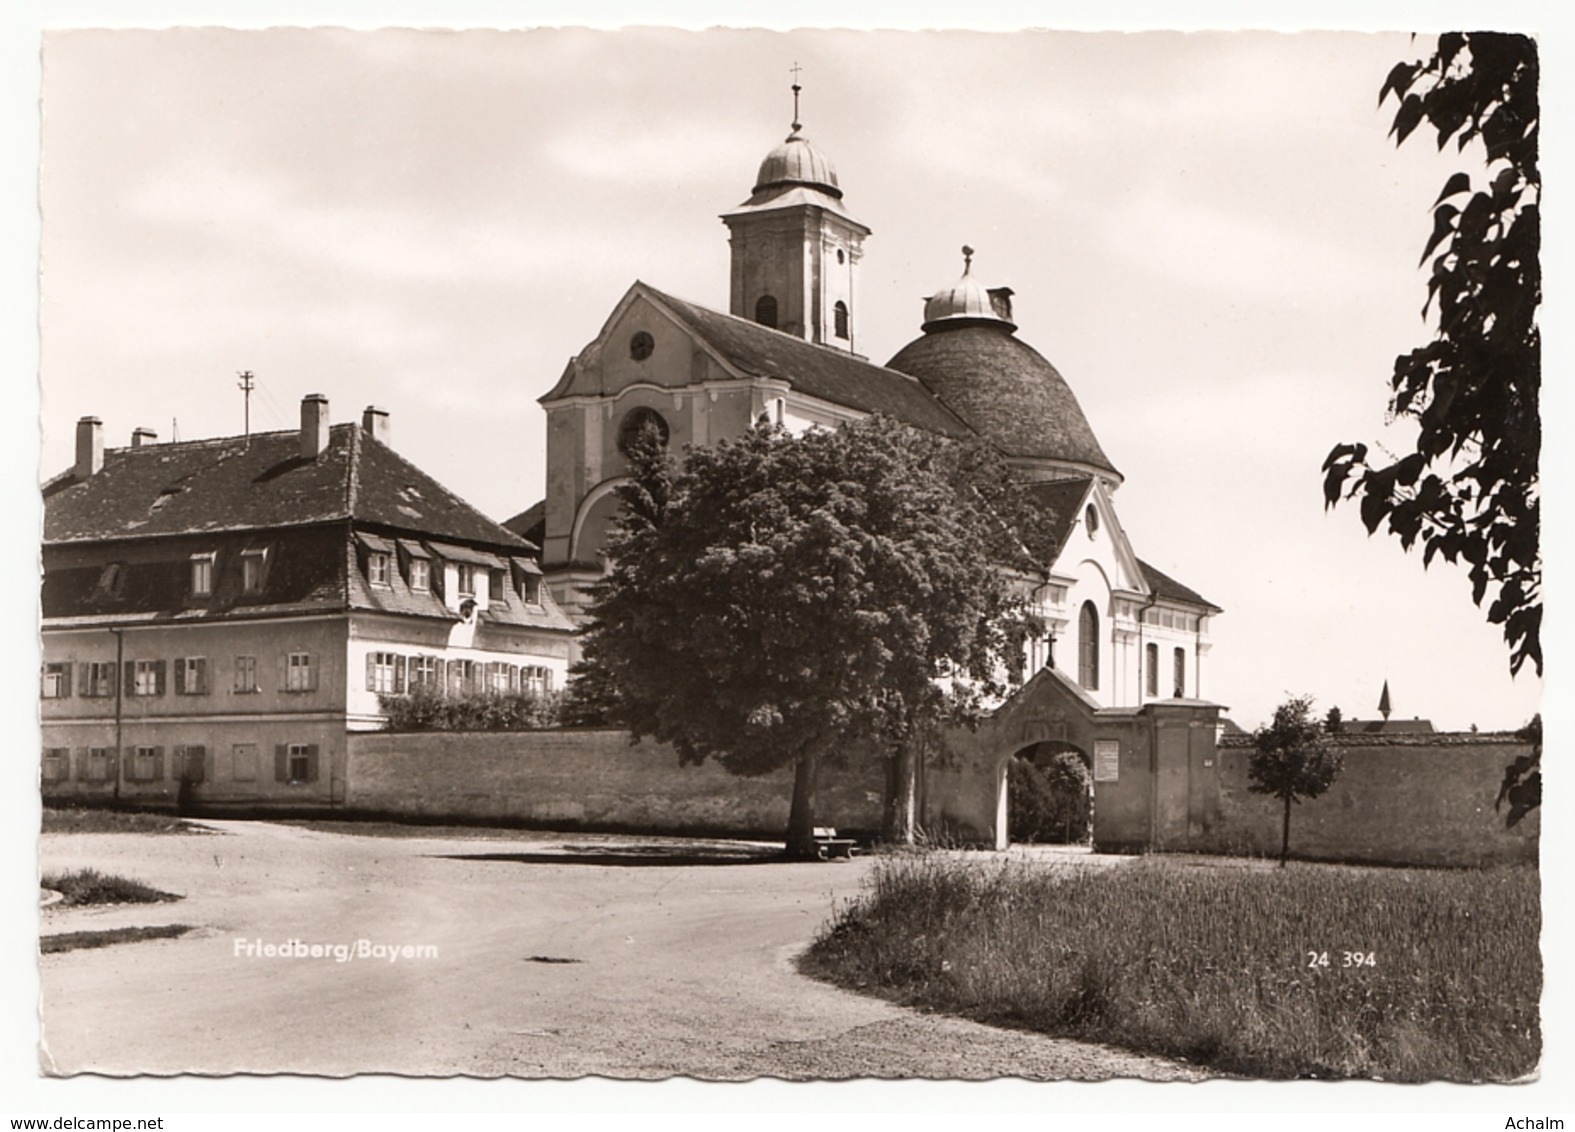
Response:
column 1209, row 235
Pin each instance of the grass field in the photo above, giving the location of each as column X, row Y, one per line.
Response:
column 67, row 819
column 77, row 941
column 1312, row 971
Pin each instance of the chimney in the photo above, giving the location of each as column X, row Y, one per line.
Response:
column 90, row 447
column 1001, row 302
column 374, row 422
column 314, row 425
column 141, row 436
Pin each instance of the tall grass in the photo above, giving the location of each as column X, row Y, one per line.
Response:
column 89, row 886
column 1212, row 964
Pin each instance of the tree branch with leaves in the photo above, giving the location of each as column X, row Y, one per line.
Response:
column 1470, row 491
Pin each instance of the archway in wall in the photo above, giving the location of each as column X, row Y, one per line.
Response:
column 1050, row 794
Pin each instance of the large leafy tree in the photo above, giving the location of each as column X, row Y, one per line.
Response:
column 1470, row 490
column 777, row 600
column 1292, row 760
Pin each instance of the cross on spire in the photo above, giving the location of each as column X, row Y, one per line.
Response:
column 795, row 68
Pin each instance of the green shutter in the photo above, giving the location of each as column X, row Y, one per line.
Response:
column 158, row 677
column 371, row 672
column 281, row 762
column 311, row 762
column 180, row 676
column 130, row 676
column 399, row 674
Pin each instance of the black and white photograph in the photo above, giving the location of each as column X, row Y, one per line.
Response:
column 838, row 550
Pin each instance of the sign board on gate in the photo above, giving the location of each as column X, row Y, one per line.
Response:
column 1107, row 760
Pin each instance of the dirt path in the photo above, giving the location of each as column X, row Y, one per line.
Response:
column 675, row 967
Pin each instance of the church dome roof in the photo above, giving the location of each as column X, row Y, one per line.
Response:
column 796, row 162
column 1000, row 386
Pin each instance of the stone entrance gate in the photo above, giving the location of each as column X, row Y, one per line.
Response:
column 1154, row 767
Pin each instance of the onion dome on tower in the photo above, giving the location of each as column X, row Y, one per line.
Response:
column 796, row 247
column 972, row 361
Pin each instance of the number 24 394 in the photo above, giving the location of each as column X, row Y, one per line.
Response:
column 1347, row 959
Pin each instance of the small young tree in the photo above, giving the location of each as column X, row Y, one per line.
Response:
column 1334, row 722
column 1292, row 761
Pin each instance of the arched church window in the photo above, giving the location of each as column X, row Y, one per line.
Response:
column 1152, row 657
column 839, row 319
column 766, row 311
column 637, row 421
column 1179, row 674
column 1088, row 647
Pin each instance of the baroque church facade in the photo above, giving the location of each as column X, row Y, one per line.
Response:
column 1120, row 632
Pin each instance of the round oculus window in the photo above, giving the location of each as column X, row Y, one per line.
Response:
column 641, row 346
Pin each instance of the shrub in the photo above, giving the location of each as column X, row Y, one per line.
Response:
column 432, row 709
column 1050, row 803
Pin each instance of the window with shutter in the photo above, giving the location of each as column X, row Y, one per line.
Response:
column 299, row 762
column 300, row 673
column 191, row 676
column 145, row 678
column 57, row 681
column 57, row 764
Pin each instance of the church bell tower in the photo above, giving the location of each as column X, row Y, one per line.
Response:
column 796, row 248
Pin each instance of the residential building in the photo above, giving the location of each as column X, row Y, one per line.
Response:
column 219, row 613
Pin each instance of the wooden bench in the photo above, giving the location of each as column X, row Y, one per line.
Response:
column 829, row 845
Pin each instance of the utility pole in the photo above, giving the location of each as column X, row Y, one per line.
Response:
column 247, row 383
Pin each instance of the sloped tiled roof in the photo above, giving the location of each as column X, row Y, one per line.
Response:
column 531, row 523
column 1386, row 727
column 819, row 371
column 1059, row 500
column 1006, row 391
column 257, row 483
column 1164, row 586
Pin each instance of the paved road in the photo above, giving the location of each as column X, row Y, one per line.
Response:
column 678, row 965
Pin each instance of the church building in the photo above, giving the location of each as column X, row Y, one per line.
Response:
column 787, row 349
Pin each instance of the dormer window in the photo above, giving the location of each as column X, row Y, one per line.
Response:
column 201, row 575
column 466, row 579
column 253, row 564
column 377, row 568
column 420, row 575
column 497, row 586
column 109, row 577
